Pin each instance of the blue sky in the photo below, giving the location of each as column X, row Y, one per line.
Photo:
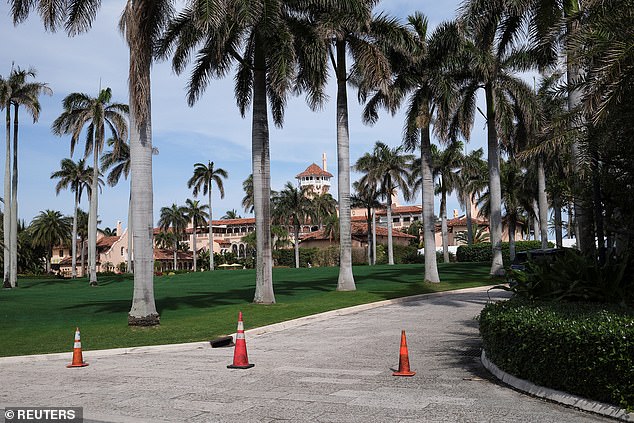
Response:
column 211, row 130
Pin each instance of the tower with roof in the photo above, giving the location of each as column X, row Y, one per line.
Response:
column 315, row 179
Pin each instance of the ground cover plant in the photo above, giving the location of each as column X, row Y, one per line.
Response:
column 40, row 316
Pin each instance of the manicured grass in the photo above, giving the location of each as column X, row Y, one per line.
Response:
column 40, row 316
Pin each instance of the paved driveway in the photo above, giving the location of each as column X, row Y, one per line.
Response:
column 334, row 370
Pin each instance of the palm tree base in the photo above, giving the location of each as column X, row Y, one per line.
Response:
column 94, row 283
column 7, row 285
column 144, row 321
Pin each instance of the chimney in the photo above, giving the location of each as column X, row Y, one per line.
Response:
column 455, row 213
column 119, row 230
column 323, row 162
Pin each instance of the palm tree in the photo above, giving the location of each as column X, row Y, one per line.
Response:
column 471, row 181
column 174, row 218
column 50, row 228
column 353, row 33
column 82, row 233
column 291, row 205
column 367, row 196
column 421, row 74
column 16, row 91
column 273, row 45
column 389, row 169
column 247, row 200
column 231, row 214
column 142, row 22
column 323, row 206
column 76, row 177
column 446, row 162
column 489, row 57
column 478, row 235
column 202, row 181
column 95, row 114
column 198, row 216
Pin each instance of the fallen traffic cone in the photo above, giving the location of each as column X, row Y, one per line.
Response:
column 78, row 359
column 240, row 358
column 403, row 363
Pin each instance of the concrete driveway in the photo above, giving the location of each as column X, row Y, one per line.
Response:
column 331, row 369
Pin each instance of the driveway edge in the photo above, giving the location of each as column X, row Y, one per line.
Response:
column 555, row 395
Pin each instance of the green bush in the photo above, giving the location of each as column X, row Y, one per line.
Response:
column 482, row 251
column 584, row 349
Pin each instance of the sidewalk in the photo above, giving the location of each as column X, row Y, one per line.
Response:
column 333, row 370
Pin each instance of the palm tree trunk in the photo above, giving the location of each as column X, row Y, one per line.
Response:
column 368, row 221
column 130, row 246
column 296, row 228
column 495, row 189
column 443, row 226
column 92, row 215
column 570, row 226
column 374, row 236
column 7, row 204
column 345, row 281
column 143, row 310
column 536, row 223
column 390, row 251
column 194, row 242
column 261, row 183
column 48, row 259
column 83, row 257
column 73, row 259
column 511, row 230
column 543, row 201
column 429, row 226
column 467, row 202
column 175, row 264
column 558, row 223
column 13, row 276
column 211, row 233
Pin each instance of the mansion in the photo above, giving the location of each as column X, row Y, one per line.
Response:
column 228, row 234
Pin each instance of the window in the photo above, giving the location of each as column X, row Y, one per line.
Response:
column 396, row 219
column 61, row 253
column 415, row 218
column 121, row 250
column 406, row 219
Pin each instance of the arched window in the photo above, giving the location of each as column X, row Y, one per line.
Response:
column 241, row 254
column 121, row 250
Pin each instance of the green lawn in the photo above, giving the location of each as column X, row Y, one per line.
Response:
column 40, row 316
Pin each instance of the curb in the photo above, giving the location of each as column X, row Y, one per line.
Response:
column 275, row 327
column 555, row 395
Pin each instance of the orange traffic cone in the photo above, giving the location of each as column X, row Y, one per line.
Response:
column 240, row 358
column 78, row 359
column 403, row 364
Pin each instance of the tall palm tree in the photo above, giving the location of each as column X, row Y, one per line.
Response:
column 291, row 205
column 323, row 206
column 174, row 218
column 141, row 22
column 247, row 200
column 272, row 44
column 490, row 56
column 76, row 177
column 471, row 181
column 95, row 114
column 16, row 91
column 50, row 228
column 197, row 215
column 82, row 233
column 367, row 196
column 231, row 214
column 353, row 33
column 446, row 164
column 389, row 168
column 421, row 77
column 202, row 181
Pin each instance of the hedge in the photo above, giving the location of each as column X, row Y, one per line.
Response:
column 581, row 348
column 482, row 251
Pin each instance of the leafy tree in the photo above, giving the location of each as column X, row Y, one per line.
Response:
column 76, row 177
column 202, row 181
column 95, row 114
column 197, row 215
column 174, row 218
column 48, row 229
column 291, row 205
column 15, row 91
column 323, row 205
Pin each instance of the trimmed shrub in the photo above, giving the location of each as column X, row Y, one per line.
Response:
column 482, row 251
column 581, row 348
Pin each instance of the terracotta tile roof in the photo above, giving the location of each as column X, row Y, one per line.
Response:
column 462, row 221
column 358, row 218
column 242, row 221
column 359, row 231
column 107, row 241
column 314, row 170
column 401, row 210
